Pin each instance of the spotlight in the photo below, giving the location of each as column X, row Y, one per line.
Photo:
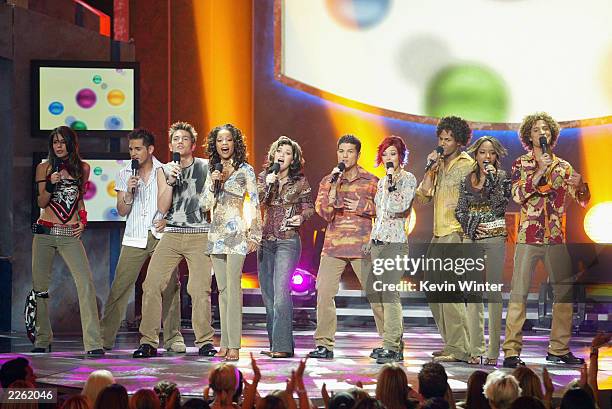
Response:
column 598, row 223
column 302, row 282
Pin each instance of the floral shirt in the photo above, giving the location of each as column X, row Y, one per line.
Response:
column 347, row 232
column 486, row 206
column 542, row 206
column 234, row 220
column 393, row 208
column 293, row 199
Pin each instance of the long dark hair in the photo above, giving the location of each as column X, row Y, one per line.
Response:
column 297, row 161
column 74, row 164
column 240, row 155
column 475, row 399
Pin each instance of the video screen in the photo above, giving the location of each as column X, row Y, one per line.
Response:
column 89, row 99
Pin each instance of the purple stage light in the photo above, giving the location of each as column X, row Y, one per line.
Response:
column 302, row 281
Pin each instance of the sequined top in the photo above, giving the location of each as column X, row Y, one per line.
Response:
column 235, row 219
column 393, row 208
column 293, row 199
column 486, row 206
column 542, row 207
column 347, row 232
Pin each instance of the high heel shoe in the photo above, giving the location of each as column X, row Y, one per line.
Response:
column 475, row 360
column 490, row 362
column 233, row 354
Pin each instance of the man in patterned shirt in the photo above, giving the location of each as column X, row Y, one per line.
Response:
column 441, row 186
column 541, row 184
column 346, row 202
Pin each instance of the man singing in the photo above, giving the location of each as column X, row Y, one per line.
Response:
column 541, row 184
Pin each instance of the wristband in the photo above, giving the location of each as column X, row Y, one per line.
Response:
column 49, row 187
column 83, row 216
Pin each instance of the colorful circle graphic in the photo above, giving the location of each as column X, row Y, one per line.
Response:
column 111, row 214
column 113, row 123
column 86, row 98
column 90, row 190
column 79, row 126
column 69, row 120
column 97, row 171
column 115, row 97
column 97, row 79
column 104, row 85
column 104, row 178
column 56, row 108
column 110, row 189
column 358, row 14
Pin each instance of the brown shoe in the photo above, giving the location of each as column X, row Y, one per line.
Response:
column 222, row 353
column 281, row 355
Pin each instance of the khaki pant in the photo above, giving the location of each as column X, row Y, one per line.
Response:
column 494, row 250
column 388, row 301
column 71, row 249
column 228, row 270
column 328, row 284
column 127, row 271
column 450, row 317
column 171, row 249
column 559, row 267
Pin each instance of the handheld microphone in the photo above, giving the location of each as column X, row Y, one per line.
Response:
column 176, row 158
column 430, row 163
column 55, row 164
column 335, row 176
column 275, row 168
column 135, row 166
column 217, row 187
column 389, row 165
column 489, row 174
column 544, row 144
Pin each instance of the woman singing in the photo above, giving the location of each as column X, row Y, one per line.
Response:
column 483, row 197
column 233, row 234
column 61, row 183
column 389, row 240
column 287, row 204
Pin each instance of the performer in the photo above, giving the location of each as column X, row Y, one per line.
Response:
column 481, row 210
column 541, row 184
column 287, row 204
column 441, row 185
column 179, row 187
column 61, row 184
column 136, row 188
column 346, row 201
column 233, row 234
column 389, row 240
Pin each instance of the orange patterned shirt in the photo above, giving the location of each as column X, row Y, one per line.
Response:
column 347, row 232
column 542, row 206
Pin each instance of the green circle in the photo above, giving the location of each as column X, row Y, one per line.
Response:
column 471, row 91
column 97, row 171
column 97, row 79
column 78, row 126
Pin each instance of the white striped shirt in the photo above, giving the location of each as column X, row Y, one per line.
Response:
column 144, row 209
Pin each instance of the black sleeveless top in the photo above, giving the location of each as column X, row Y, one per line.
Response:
column 65, row 199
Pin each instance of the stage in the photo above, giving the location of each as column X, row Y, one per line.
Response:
column 67, row 369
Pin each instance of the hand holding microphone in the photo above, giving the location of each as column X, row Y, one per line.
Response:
column 271, row 178
column 432, row 159
column 337, row 171
column 216, row 176
column 133, row 182
column 175, row 169
column 489, row 170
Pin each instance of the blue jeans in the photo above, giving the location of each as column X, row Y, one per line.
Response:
column 276, row 261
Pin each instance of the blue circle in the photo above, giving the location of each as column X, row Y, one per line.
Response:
column 69, row 120
column 56, row 108
column 113, row 123
column 104, row 177
column 358, row 14
column 111, row 214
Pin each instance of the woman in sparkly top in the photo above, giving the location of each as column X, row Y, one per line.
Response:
column 287, row 203
column 483, row 197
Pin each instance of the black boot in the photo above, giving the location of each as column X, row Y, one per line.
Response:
column 513, row 362
column 321, row 352
column 145, row 351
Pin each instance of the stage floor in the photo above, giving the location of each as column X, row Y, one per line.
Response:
column 68, row 369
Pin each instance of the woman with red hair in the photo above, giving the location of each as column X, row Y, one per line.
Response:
column 389, row 240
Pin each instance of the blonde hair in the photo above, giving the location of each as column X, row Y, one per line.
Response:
column 96, row 382
column 183, row 126
column 501, row 389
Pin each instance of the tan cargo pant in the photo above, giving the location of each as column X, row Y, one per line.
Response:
column 559, row 267
column 170, row 250
column 328, row 284
column 127, row 271
column 71, row 249
column 450, row 317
